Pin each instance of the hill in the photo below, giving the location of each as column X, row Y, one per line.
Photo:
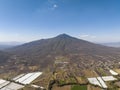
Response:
column 45, row 52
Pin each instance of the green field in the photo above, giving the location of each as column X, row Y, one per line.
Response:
column 78, row 87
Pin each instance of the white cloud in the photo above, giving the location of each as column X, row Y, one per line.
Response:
column 55, row 5
column 86, row 36
column 47, row 7
column 93, row 36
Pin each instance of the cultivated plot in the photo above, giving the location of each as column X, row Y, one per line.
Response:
column 12, row 86
column 28, row 78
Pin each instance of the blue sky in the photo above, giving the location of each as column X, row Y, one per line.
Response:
column 28, row 20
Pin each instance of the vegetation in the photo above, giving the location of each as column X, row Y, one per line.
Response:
column 78, row 87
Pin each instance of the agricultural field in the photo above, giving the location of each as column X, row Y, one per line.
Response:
column 64, row 79
column 71, row 87
column 28, row 88
column 12, row 86
column 67, row 87
column 106, row 81
column 103, row 72
column 90, row 73
column 94, row 79
column 117, row 70
column 91, row 87
column 43, row 80
column 78, row 87
column 19, row 81
column 27, row 78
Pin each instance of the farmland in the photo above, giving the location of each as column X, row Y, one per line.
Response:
column 19, row 81
column 65, row 79
column 71, row 87
column 92, row 79
column 78, row 87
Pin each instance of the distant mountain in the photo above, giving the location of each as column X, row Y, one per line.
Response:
column 12, row 43
column 45, row 52
column 6, row 45
column 112, row 44
column 3, row 47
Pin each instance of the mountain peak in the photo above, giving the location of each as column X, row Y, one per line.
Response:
column 64, row 36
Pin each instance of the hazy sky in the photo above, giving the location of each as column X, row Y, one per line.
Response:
column 27, row 20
